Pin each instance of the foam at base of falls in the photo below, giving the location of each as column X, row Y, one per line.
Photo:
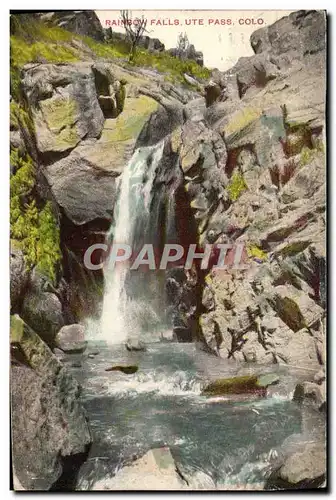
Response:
column 178, row 384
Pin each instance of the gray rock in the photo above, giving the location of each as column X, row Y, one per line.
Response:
column 310, row 392
column 320, row 376
column 43, row 312
column 71, row 339
column 254, row 72
column 134, row 344
column 16, row 141
column 49, row 424
column 156, row 470
column 84, row 192
column 194, row 110
column 162, row 122
column 304, row 469
column 189, row 79
column 81, row 22
column 302, row 32
column 64, row 104
column 19, row 277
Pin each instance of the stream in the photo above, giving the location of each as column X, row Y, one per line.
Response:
column 232, row 443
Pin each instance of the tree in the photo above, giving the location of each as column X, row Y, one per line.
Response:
column 134, row 29
column 182, row 45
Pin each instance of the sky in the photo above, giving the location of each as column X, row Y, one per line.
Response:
column 223, row 36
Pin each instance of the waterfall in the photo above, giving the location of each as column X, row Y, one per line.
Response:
column 127, row 307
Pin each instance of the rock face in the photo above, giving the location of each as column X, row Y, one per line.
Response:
column 50, row 433
column 304, row 469
column 81, row 22
column 19, row 277
column 156, row 470
column 274, row 199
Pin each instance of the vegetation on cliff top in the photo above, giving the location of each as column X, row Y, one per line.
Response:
column 34, row 41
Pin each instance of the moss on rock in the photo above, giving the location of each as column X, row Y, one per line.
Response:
column 59, row 113
column 236, row 186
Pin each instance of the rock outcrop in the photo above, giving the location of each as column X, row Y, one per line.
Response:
column 156, row 470
column 81, row 22
column 304, row 469
column 50, row 432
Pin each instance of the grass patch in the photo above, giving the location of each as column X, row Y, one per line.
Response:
column 40, row 51
column 175, row 67
column 236, row 186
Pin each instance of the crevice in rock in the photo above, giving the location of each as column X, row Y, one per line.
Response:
column 85, row 286
column 70, row 469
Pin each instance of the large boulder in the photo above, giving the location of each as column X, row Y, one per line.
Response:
column 156, row 470
column 64, row 104
column 310, row 392
column 80, row 189
column 304, row 469
column 42, row 308
column 71, row 339
column 50, row 432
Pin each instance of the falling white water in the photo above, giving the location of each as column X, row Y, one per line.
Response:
column 120, row 313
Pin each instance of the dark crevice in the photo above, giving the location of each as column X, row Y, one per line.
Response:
column 70, row 469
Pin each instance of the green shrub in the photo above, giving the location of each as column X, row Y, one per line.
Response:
column 19, row 116
column 307, row 155
column 236, row 186
column 35, row 230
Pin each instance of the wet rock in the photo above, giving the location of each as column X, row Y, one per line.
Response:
column 70, row 339
column 304, row 469
column 135, row 345
column 156, row 470
column 320, row 376
column 93, row 353
column 248, row 384
column 128, row 370
column 167, row 336
column 268, row 379
column 49, row 425
column 310, row 392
